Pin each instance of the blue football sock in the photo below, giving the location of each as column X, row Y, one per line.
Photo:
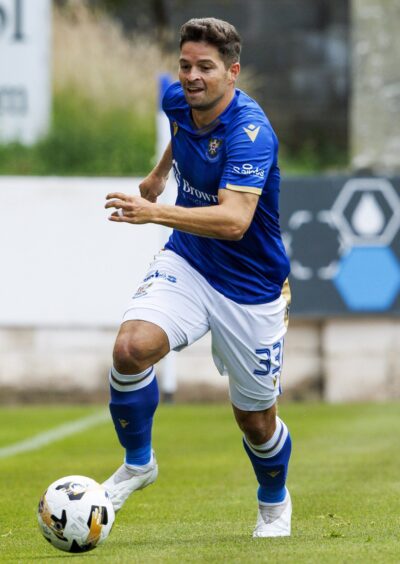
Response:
column 270, row 462
column 134, row 399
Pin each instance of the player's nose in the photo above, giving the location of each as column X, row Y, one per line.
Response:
column 193, row 76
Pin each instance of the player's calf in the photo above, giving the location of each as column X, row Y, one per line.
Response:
column 270, row 462
column 134, row 399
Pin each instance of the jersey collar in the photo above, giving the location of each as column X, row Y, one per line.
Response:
column 224, row 118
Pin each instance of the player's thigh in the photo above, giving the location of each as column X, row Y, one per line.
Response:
column 170, row 297
column 248, row 343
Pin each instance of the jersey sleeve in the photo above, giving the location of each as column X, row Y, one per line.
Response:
column 251, row 149
column 173, row 100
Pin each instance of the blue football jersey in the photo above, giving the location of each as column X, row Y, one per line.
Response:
column 238, row 151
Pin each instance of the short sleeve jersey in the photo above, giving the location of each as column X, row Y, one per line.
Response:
column 238, row 152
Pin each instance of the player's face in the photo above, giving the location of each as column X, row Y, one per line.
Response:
column 206, row 82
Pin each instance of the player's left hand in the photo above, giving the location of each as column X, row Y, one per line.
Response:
column 129, row 209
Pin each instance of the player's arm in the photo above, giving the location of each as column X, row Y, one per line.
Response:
column 154, row 184
column 229, row 219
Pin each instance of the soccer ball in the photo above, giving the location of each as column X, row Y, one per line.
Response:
column 75, row 514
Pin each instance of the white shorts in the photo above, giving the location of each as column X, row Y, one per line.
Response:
column 247, row 340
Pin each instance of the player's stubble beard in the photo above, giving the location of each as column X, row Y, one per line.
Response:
column 205, row 106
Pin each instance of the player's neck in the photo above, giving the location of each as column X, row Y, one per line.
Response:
column 202, row 118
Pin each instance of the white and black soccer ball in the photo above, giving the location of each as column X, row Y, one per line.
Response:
column 75, row 514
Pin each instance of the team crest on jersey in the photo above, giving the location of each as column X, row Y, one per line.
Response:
column 142, row 291
column 214, row 143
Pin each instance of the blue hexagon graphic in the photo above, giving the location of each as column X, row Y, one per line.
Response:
column 368, row 278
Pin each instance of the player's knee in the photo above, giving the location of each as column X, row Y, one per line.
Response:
column 130, row 355
column 257, row 434
column 258, row 427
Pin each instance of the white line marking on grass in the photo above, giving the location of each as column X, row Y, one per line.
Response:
column 54, row 435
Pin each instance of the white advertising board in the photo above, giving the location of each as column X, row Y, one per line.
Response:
column 25, row 56
column 63, row 264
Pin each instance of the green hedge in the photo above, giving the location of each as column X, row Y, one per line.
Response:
column 85, row 139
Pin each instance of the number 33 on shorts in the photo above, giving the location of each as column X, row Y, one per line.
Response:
column 270, row 361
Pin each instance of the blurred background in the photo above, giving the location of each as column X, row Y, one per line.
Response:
column 79, row 117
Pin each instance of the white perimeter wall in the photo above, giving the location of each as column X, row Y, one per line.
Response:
column 62, row 262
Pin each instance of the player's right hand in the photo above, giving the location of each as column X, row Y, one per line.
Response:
column 152, row 186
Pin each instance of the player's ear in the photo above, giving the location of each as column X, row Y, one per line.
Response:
column 234, row 71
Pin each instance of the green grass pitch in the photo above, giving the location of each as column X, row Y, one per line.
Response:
column 344, row 480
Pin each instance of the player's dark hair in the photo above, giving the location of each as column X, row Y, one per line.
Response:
column 219, row 33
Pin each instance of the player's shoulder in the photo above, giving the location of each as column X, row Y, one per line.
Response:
column 246, row 109
column 174, row 98
column 248, row 118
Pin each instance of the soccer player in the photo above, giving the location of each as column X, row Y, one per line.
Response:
column 224, row 269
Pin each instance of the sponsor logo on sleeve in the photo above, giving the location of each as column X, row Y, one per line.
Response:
column 247, row 169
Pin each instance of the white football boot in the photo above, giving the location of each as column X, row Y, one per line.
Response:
column 126, row 480
column 274, row 520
